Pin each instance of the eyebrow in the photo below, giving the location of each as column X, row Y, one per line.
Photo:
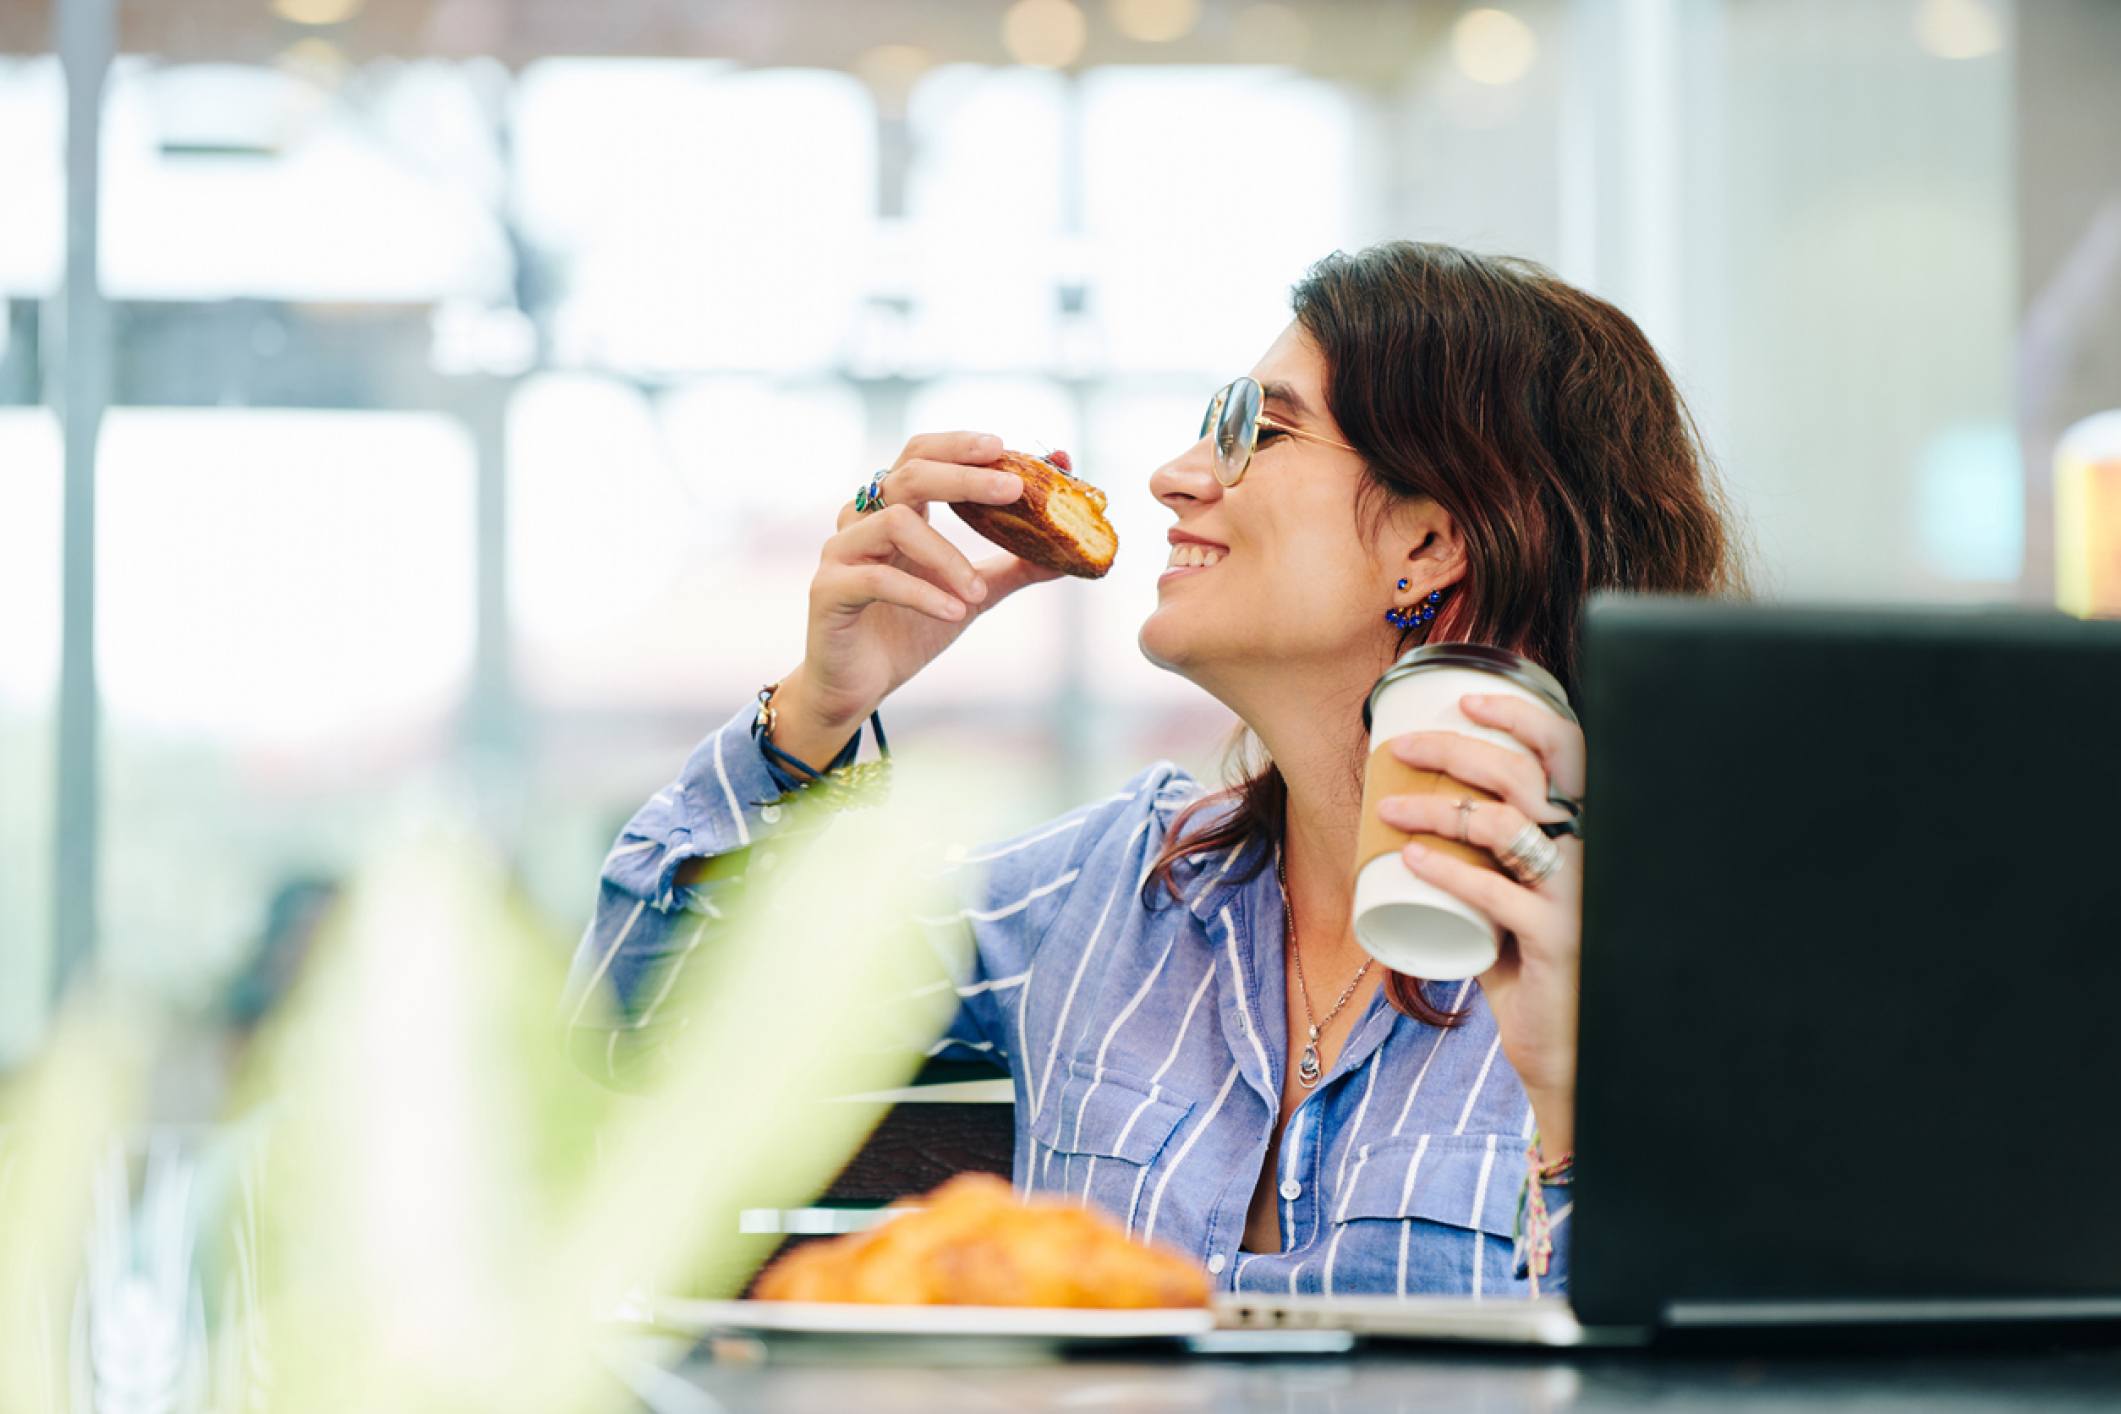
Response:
column 1288, row 397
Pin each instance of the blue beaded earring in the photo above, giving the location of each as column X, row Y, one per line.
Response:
column 1417, row 617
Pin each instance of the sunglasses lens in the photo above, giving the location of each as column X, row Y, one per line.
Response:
column 1236, row 430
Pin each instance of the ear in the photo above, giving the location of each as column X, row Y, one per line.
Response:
column 1428, row 550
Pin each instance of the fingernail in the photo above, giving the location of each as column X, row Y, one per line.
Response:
column 1414, row 855
column 977, row 590
column 1474, row 699
column 1008, row 483
column 988, row 442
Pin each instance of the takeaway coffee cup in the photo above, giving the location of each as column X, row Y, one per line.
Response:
column 1405, row 923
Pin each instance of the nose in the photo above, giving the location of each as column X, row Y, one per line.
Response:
column 1187, row 478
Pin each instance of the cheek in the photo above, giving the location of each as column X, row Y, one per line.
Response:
column 1320, row 579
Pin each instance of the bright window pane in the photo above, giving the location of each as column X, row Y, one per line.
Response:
column 738, row 240
column 283, row 579
column 228, row 179
column 661, row 552
column 1208, row 193
column 32, row 170
column 983, row 211
column 30, row 481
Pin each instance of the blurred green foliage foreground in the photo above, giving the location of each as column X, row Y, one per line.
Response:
column 420, row 1204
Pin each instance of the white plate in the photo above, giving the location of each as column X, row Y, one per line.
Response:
column 850, row 1318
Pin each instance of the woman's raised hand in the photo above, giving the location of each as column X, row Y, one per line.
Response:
column 891, row 593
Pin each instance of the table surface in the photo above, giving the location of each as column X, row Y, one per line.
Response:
column 672, row 1378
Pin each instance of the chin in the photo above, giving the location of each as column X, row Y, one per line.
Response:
column 1163, row 642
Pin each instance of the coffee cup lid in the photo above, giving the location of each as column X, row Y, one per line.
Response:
column 1478, row 656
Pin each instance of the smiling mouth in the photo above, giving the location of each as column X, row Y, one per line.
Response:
column 1188, row 556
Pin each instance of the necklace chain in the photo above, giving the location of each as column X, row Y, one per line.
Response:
column 1308, row 1069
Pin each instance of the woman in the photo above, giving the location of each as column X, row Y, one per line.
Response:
column 1439, row 447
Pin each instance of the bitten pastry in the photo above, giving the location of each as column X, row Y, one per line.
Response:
column 973, row 1242
column 1058, row 522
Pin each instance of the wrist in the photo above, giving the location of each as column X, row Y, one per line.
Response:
column 803, row 730
column 1554, row 1114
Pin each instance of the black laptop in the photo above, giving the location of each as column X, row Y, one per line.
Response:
column 1851, row 1036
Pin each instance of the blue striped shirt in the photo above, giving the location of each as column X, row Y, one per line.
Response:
column 1146, row 1044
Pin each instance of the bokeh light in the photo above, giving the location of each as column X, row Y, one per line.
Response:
column 1154, row 21
column 1045, row 34
column 1958, row 29
column 317, row 12
column 1493, row 46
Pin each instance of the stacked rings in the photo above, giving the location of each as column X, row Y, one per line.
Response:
column 1530, row 856
column 871, row 497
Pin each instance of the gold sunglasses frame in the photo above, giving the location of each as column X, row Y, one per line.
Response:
column 1211, row 423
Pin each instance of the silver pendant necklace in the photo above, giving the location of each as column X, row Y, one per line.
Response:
column 1308, row 1069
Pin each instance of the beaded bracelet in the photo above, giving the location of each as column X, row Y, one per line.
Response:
column 843, row 783
column 1531, row 1232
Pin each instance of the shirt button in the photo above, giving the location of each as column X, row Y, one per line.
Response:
column 1216, row 1264
column 1291, row 1189
column 771, row 814
column 767, row 859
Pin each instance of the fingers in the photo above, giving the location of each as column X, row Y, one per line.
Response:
column 1490, row 824
column 899, row 530
column 975, row 448
column 1519, row 779
column 1556, row 741
column 917, row 482
column 1509, row 903
column 1005, row 574
column 854, row 587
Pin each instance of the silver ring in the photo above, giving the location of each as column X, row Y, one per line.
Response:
column 1465, row 819
column 1530, row 856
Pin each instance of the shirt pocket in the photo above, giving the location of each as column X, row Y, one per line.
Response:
column 1109, row 1116
column 1463, row 1181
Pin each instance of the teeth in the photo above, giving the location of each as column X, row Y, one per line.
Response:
column 1188, row 556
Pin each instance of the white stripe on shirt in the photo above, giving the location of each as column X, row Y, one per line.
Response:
column 1097, row 1068
column 1407, row 1105
column 1178, row 1160
column 1473, row 1091
column 989, row 915
column 1480, row 1234
column 1406, row 1194
column 1237, row 973
column 1207, row 975
column 1060, row 1027
column 596, row 978
column 736, row 811
column 625, row 849
column 670, row 979
column 1074, row 820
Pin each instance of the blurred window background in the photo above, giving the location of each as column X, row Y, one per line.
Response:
column 483, row 375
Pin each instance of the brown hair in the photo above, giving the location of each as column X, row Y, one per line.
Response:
column 1541, row 419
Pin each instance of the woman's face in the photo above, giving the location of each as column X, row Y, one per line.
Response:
column 1294, row 577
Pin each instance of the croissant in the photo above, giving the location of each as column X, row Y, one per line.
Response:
column 973, row 1242
column 1058, row 522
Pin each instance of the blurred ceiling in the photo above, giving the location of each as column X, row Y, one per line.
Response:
column 1349, row 39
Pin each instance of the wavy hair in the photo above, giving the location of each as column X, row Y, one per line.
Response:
column 1542, row 420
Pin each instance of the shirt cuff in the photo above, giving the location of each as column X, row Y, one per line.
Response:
column 726, row 797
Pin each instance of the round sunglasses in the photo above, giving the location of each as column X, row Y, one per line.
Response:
column 1235, row 415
